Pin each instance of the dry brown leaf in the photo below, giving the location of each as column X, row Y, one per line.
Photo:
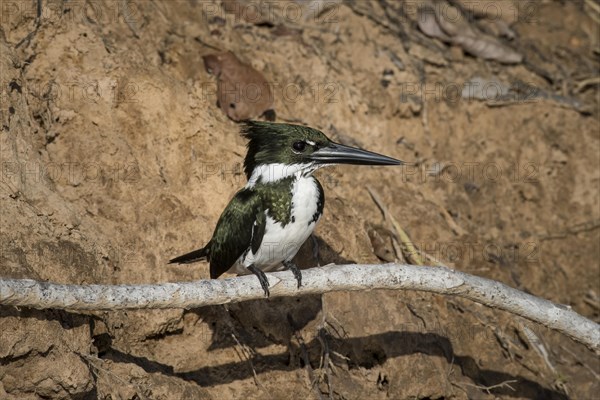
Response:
column 381, row 240
column 242, row 92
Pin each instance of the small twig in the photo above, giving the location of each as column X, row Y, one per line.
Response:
column 343, row 357
column 127, row 16
column 434, row 260
column 311, row 373
column 343, row 334
column 596, row 375
column 398, row 250
column 325, row 360
column 382, row 24
column 92, row 362
column 505, row 343
column 492, row 387
column 164, row 17
column 246, row 355
column 425, row 123
column 593, row 5
column 595, row 10
column 457, row 229
column 246, row 352
column 527, row 94
column 38, row 23
column 537, row 344
column 572, row 230
column 591, row 299
column 410, row 251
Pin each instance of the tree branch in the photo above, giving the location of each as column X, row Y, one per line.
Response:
column 34, row 294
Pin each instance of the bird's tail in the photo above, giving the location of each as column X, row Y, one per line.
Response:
column 191, row 257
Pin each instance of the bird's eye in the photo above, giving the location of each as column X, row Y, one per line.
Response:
column 299, row 146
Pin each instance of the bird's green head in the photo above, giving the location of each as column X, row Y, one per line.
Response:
column 279, row 150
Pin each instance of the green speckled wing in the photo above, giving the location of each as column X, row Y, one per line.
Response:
column 241, row 227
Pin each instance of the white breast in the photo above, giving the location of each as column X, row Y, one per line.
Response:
column 281, row 243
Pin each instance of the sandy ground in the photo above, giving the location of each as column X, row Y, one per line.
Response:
column 115, row 158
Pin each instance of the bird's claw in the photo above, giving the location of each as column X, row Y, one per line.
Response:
column 262, row 278
column 295, row 270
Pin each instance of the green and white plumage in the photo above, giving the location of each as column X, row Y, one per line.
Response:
column 265, row 224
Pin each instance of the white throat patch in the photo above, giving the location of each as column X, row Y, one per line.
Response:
column 275, row 172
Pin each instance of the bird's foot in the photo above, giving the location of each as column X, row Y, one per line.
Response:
column 262, row 278
column 295, row 270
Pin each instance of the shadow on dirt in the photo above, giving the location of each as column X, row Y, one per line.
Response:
column 368, row 352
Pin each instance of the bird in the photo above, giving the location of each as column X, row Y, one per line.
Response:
column 267, row 221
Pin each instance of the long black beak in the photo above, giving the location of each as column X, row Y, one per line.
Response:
column 337, row 153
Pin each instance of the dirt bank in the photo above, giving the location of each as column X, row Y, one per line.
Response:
column 116, row 157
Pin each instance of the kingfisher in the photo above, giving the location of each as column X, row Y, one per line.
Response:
column 267, row 221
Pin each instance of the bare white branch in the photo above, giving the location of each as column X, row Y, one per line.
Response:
column 34, row 294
